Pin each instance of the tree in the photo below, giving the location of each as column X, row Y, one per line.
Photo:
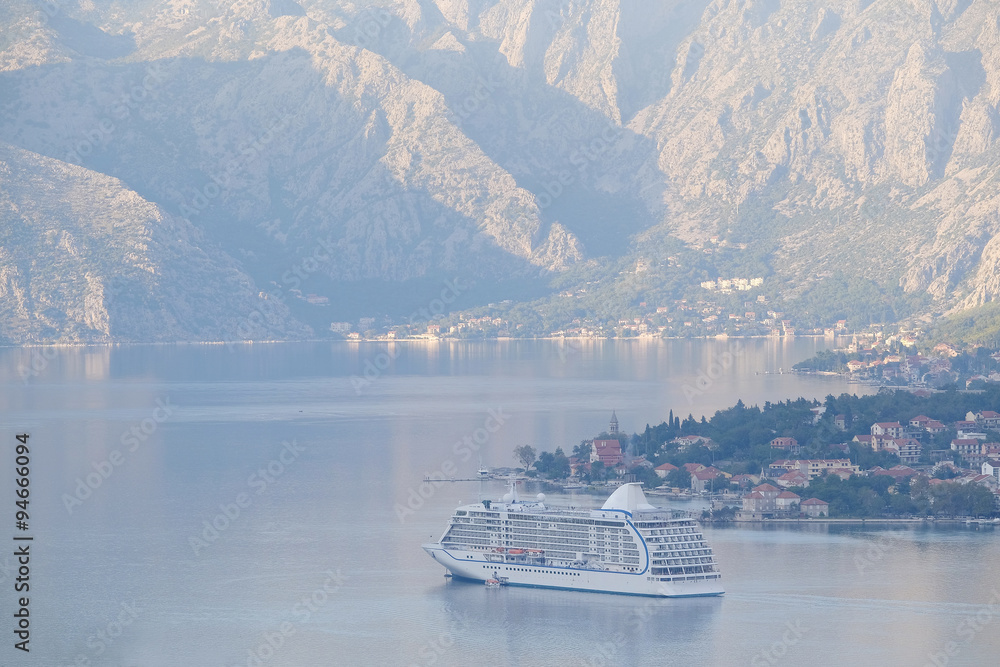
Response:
column 582, row 451
column 647, row 476
column 680, row 478
column 525, row 455
column 598, row 471
column 559, row 466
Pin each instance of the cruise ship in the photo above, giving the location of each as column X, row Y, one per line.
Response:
column 627, row 546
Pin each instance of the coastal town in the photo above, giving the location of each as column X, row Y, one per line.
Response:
column 925, row 468
column 679, row 318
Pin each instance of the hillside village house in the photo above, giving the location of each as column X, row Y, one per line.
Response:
column 608, row 452
column 992, row 467
column 908, row 449
column 792, row 478
column 888, row 429
column 815, row 508
column 965, row 446
column 984, row 419
column 704, row 479
column 686, row 441
column 934, row 426
column 762, row 499
column 663, row 470
column 814, row 467
column 786, row 501
column 790, row 444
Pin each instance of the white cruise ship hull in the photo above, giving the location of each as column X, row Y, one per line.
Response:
column 471, row 565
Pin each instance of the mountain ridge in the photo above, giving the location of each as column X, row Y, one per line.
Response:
column 509, row 141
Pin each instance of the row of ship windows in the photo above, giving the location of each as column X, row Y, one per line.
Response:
column 524, row 526
column 584, row 522
column 532, row 569
column 535, row 527
column 671, row 531
column 662, row 524
column 603, row 549
column 695, row 569
column 550, row 538
column 533, row 542
column 546, row 519
column 676, row 538
column 683, row 552
column 558, row 525
column 680, row 561
column 549, row 545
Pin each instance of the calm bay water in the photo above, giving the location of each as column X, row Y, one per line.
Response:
column 312, row 562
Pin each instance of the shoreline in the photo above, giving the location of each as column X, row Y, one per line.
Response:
column 411, row 339
column 846, row 520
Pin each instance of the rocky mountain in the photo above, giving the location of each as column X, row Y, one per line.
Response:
column 334, row 159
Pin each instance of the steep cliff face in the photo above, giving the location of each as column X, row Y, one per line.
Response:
column 404, row 139
column 82, row 257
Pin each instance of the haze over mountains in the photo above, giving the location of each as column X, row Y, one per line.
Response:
column 188, row 170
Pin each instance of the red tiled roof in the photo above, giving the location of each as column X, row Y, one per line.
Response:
column 813, row 501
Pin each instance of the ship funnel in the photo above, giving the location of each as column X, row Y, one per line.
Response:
column 628, row 497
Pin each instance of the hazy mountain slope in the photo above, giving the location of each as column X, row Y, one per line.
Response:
column 84, row 258
column 287, row 144
column 399, row 141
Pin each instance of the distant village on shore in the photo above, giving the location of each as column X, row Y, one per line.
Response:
column 961, row 477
